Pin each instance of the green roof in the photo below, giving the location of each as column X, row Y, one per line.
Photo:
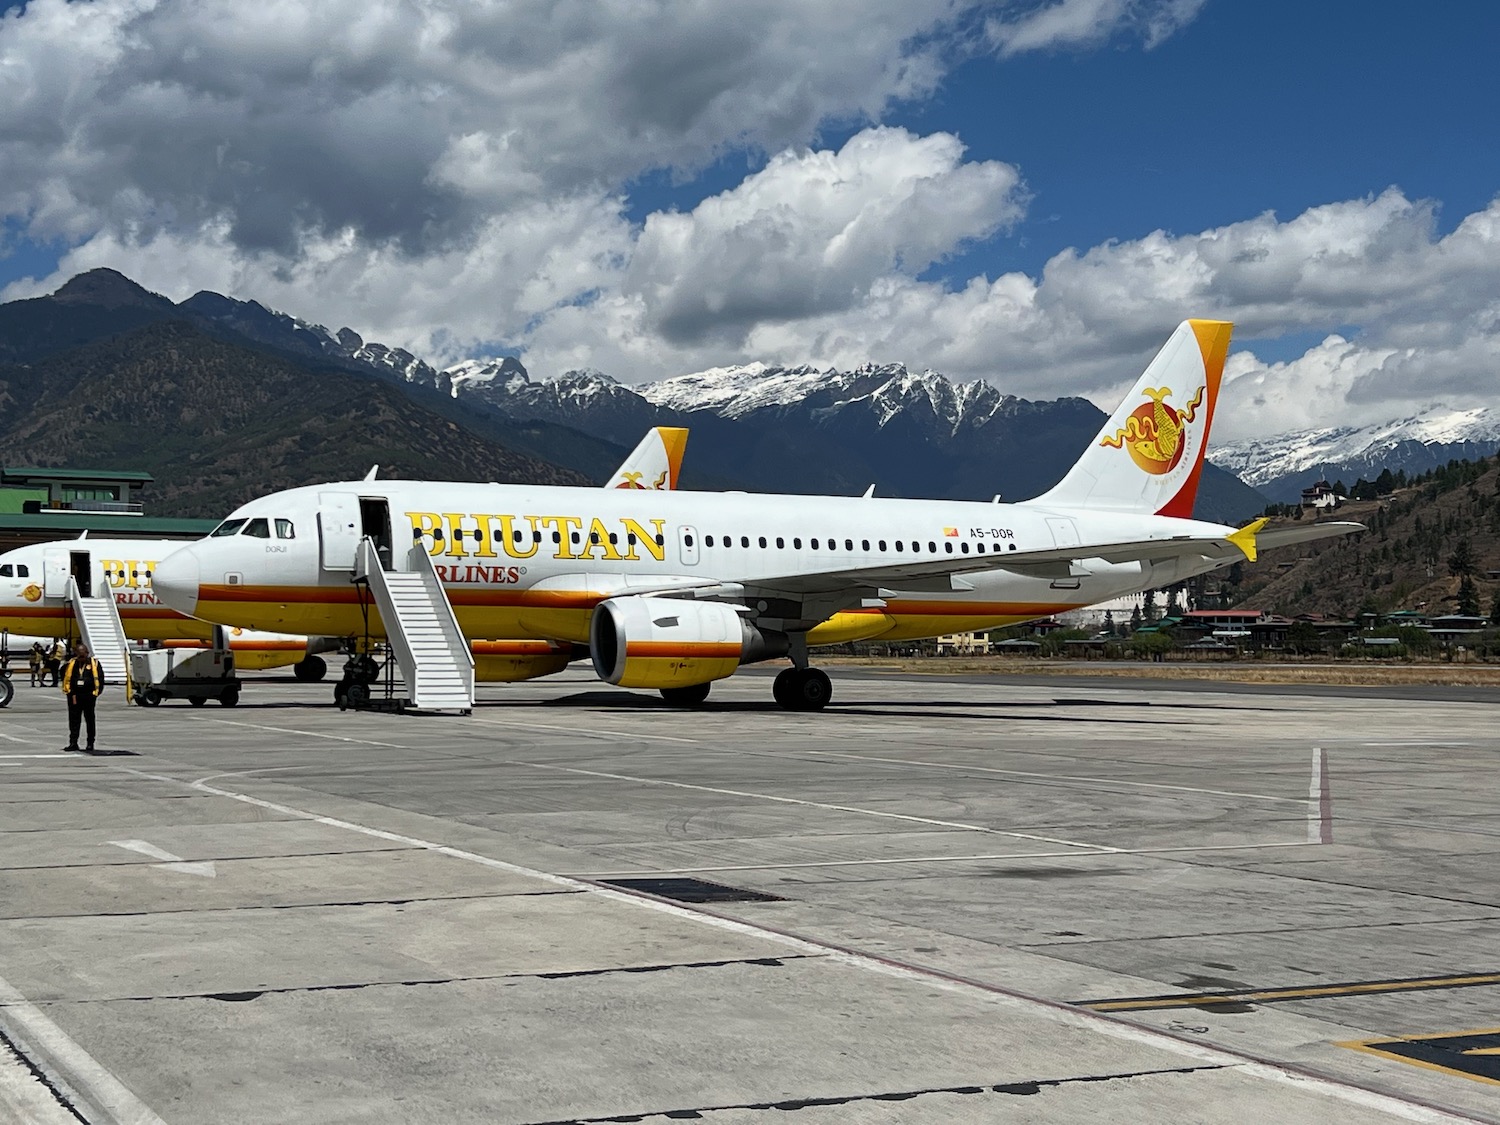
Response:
column 28, row 474
column 66, row 522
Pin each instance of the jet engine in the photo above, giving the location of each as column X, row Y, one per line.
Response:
column 647, row 642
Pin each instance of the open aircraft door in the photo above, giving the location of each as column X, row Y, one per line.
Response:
column 338, row 529
column 57, row 566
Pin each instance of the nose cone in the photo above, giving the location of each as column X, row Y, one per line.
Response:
column 175, row 581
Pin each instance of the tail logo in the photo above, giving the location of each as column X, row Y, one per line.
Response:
column 633, row 480
column 1154, row 430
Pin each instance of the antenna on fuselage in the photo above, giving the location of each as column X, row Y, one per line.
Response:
column 371, row 474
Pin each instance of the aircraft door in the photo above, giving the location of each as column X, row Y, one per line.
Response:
column 339, row 529
column 687, row 540
column 55, row 570
column 1064, row 531
column 375, row 523
column 81, row 567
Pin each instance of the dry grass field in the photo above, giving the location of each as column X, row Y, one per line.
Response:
column 1352, row 673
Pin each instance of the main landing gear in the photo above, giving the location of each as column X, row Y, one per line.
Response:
column 802, row 689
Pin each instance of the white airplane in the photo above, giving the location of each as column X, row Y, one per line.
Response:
column 34, row 590
column 672, row 591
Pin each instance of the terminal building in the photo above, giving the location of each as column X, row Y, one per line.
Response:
column 39, row 505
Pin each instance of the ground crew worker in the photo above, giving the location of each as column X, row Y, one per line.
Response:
column 36, row 663
column 82, row 680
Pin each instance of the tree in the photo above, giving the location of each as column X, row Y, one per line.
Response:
column 1495, row 609
column 1468, row 598
column 1148, row 605
column 1109, row 622
column 1303, row 637
column 1135, row 616
column 1461, row 563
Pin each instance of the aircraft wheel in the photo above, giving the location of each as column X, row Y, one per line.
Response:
column 357, row 695
column 781, row 687
column 7, row 692
column 804, row 689
column 197, row 700
column 310, row 669
column 685, row 696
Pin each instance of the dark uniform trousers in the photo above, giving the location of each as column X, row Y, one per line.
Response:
column 81, row 682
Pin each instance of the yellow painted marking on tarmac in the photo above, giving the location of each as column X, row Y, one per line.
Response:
column 1197, row 999
column 1376, row 1047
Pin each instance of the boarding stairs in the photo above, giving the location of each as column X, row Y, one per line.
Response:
column 423, row 633
column 99, row 625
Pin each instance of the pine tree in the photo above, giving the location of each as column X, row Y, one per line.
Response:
column 1468, row 598
column 1461, row 562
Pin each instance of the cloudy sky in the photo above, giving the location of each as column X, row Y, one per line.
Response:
column 1032, row 192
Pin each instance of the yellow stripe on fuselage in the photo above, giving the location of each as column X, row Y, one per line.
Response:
column 564, row 615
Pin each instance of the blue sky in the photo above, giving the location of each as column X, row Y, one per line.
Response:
column 1276, row 105
column 683, row 187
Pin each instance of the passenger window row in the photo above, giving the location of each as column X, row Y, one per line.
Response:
column 900, row 546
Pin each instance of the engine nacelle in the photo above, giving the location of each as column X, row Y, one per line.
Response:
column 646, row 642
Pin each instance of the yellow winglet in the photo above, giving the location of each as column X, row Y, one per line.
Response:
column 1244, row 538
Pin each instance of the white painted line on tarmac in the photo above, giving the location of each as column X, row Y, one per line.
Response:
column 47, row 1046
column 13, row 738
column 1104, row 781
column 1055, row 1010
column 926, row 859
column 204, row 868
column 309, row 734
column 1319, row 801
column 821, row 805
column 586, row 732
column 11, row 757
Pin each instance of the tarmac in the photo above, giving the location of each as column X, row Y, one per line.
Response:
column 941, row 900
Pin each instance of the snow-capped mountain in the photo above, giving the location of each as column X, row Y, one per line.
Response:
column 1282, row 466
column 344, row 348
column 887, row 390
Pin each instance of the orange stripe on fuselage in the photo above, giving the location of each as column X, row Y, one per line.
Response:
column 702, row 651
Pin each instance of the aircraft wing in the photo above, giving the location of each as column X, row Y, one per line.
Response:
column 946, row 574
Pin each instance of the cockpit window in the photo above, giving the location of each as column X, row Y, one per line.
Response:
column 228, row 527
column 284, row 530
column 7, row 571
column 22, row 570
column 259, row 528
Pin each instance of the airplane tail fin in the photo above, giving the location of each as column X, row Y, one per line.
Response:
column 1149, row 456
column 655, row 462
